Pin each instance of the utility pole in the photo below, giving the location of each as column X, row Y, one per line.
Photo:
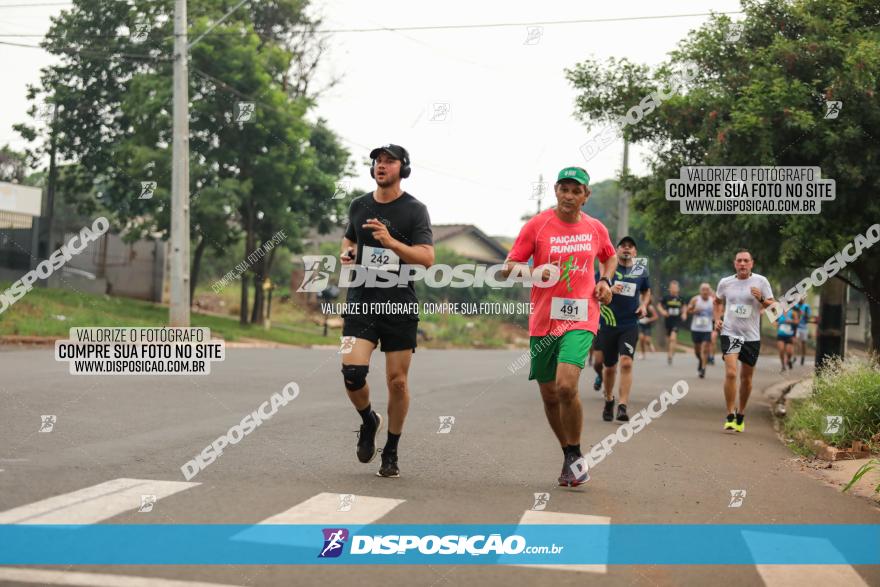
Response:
column 179, row 309
column 540, row 190
column 623, row 198
column 50, row 184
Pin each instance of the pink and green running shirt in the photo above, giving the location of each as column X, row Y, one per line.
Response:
column 547, row 239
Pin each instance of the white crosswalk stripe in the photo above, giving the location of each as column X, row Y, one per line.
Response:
column 544, row 517
column 94, row 504
column 798, row 575
column 46, row 577
column 324, row 508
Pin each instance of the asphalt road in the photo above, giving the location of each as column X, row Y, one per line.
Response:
column 499, row 452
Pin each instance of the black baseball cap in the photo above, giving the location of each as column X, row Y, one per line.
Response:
column 627, row 239
column 395, row 151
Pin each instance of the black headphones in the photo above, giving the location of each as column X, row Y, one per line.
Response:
column 405, row 169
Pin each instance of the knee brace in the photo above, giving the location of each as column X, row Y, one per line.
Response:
column 355, row 376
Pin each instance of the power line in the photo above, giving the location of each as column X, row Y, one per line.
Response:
column 20, row 45
column 483, row 25
column 35, row 5
column 522, row 24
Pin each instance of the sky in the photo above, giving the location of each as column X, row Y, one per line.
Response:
column 483, row 111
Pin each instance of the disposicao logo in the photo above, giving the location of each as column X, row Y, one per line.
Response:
column 334, row 541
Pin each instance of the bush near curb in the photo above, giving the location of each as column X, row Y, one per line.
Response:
column 847, row 388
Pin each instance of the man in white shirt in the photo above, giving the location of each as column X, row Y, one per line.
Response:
column 739, row 301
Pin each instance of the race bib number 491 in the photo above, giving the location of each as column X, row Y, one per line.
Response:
column 568, row 309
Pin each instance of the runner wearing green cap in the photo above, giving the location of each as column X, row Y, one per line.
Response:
column 566, row 314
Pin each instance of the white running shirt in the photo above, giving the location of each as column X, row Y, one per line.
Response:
column 702, row 318
column 742, row 316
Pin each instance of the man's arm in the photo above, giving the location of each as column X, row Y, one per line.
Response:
column 644, row 300
column 410, row 254
column 606, row 271
column 662, row 309
column 718, row 312
column 414, row 254
column 523, row 249
column 348, row 247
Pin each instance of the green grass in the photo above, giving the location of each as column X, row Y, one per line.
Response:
column 850, row 389
column 463, row 331
column 36, row 315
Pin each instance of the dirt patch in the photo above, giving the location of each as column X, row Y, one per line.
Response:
column 837, row 474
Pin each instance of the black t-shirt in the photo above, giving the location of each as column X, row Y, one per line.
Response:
column 673, row 305
column 623, row 305
column 408, row 222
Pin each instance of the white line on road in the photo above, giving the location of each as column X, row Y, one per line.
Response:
column 45, row 577
column 323, row 508
column 540, row 517
column 94, row 504
column 799, row 575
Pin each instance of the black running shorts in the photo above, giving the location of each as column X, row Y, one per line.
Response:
column 699, row 337
column 748, row 349
column 614, row 342
column 394, row 336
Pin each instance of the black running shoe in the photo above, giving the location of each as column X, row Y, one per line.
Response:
column 597, row 383
column 702, row 373
column 568, row 478
column 389, row 465
column 790, row 364
column 802, row 360
column 711, row 360
column 608, row 412
column 366, row 446
column 621, row 413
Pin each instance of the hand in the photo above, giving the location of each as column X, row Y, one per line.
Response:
column 757, row 293
column 641, row 311
column 547, row 272
column 603, row 292
column 347, row 257
column 380, row 232
column 718, row 324
column 616, row 288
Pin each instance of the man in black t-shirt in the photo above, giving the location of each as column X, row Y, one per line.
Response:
column 387, row 228
column 619, row 327
column 674, row 310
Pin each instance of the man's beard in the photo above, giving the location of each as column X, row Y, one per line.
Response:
column 387, row 182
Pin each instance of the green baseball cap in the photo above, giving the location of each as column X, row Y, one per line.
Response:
column 575, row 173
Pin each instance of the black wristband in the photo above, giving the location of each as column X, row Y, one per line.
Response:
column 606, row 280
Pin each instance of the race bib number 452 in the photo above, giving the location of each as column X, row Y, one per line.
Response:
column 379, row 258
column 569, row 309
column 741, row 310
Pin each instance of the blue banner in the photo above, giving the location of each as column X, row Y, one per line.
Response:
column 453, row 544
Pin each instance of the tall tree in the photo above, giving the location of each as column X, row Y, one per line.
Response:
column 113, row 91
column 758, row 98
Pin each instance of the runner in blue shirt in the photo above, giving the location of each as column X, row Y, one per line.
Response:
column 785, row 335
column 619, row 327
column 803, row 332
